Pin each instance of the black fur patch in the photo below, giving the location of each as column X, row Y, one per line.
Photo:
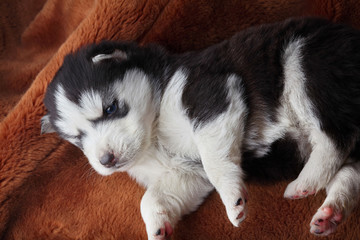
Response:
column 282, row 163
column 255, row 55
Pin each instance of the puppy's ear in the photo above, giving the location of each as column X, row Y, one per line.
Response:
column 116, row 55
column 46, row 126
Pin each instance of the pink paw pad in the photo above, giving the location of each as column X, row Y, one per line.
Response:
column 302, row 194
column 164, row 233
column 241, row 203
column 325, row 221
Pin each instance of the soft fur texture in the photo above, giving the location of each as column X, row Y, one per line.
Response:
column 47, row 189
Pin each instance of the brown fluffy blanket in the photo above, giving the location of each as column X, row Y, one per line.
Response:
column 47, row 188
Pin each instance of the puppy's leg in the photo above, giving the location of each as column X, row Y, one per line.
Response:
column 342, row 196
column 219, row 144
column 324, row 161
column 174, row 195
column 219, row 147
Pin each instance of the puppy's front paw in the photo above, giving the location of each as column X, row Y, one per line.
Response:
column 237, row 209
column 163, row 232
column 158, row 226
column 298, row 189
column 325, row 221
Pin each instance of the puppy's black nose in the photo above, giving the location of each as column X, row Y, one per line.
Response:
column 108, row 160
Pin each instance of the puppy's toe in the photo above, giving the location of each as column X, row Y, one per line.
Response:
column 237, row 212
column 164, row 232
column 325, row 221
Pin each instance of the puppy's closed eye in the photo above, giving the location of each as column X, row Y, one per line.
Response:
column 111, row 109
column 116, row 108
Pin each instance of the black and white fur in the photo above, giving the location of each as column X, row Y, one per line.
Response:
column 181, row 124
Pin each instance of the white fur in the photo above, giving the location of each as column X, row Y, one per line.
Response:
column 91, row 105
column 72, row 118
column 176, row 184
column 115, row 54
column 296, row 103
column 126, row 137
column 343, row 193
column 133, row 132
column 174, row 128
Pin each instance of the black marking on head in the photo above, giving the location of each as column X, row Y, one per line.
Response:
column 79, row 74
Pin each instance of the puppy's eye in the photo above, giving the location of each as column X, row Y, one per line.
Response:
column 111, row 108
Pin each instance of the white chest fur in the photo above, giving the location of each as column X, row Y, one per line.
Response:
column 175, row 130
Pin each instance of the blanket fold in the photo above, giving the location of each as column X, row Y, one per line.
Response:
column 47, row 188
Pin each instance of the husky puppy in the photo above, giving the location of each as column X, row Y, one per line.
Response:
column 180, row 124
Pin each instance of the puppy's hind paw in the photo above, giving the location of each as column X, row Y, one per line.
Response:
column 325, row 221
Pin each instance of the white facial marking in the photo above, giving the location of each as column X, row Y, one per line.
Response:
column 71, row 116
column 91, row 105
column 125, row 137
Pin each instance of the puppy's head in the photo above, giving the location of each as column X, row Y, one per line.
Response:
column 104, row 101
